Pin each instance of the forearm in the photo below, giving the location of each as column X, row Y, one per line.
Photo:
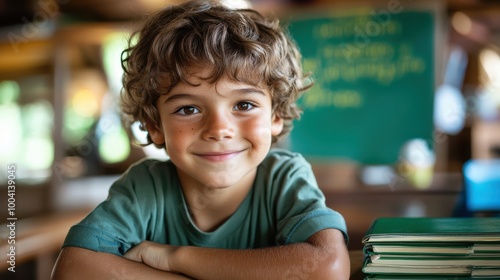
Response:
column 76, row 263
column 295, row 261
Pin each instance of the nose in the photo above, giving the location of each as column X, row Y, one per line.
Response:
column 218, row 126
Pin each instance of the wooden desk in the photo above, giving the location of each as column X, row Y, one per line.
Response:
column 39, row 236
column 356, row 257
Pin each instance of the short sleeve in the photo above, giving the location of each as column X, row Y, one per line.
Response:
column 301, row 209
column 118, row 223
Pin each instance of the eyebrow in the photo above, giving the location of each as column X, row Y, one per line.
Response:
column 250, row 90
column 179, row 96
column 243, row 91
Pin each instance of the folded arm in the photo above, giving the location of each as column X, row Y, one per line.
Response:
column 323, row 256
column 77, row 263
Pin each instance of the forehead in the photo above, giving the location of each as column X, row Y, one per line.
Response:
column 206, row 76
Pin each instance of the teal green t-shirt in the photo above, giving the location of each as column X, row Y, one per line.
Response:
column 284, row 206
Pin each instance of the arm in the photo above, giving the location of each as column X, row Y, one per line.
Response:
column 77, row 263
column 323, row 256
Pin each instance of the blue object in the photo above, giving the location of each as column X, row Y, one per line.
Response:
column 482, row 185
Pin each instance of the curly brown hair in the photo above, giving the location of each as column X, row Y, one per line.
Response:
column 239, row 43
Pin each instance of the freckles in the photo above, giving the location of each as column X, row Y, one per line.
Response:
column 186, row 130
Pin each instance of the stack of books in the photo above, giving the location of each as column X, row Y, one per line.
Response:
column 432, row 248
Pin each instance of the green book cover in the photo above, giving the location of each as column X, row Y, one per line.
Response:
column 396, row 260
column 426, row 229
column 436, row 248
column 412, row 270
column 375, row 268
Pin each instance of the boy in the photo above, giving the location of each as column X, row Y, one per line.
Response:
column 215, row 87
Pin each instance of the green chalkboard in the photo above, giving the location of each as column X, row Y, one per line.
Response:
column 374, row 83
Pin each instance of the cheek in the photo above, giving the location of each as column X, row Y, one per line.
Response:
column 258, row 129
column 175, row 136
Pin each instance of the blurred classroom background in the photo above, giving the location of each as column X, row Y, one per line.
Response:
column 403, row 120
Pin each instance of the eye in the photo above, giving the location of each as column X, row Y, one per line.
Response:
column 187, row 110
column 243, row 106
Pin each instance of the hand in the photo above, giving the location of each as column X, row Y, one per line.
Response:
column 153, row 254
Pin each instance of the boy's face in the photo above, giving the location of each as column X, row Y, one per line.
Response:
column 216, row 134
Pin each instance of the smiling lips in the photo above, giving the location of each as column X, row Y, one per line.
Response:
column 219, row 156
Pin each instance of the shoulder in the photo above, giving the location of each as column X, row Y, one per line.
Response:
column 147, row 175
column 292, row 192
column 283, row 171
column 279, row 159
column 147, row 169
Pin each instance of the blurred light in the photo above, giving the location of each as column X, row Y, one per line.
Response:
column 84, row 102
column 456, row 67
column 417, row 153
column 27, row 128
column 38, row 147
column 9, row 92
column 490, row 60
column 479, row 171
column 113, row 47
column 414, row 209
column 114, row 144
column 75, row 126
column 114, row 147
column 462, row 23
column 38, row 152
column 38, row 118
column 12, row 126
column 449, row 110
column 486, row 104
column 378, row 175
column 10, row 123
column 108, row 123
column 417, row 163
column 488, row 98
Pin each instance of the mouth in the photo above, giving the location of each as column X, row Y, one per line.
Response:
column 218, row 156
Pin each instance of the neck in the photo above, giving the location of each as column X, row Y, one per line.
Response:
column 210, row 207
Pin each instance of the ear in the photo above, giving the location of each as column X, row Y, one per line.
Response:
column 276, row 125
column 155, row 133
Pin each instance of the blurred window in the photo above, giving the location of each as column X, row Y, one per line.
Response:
column 26, row 122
